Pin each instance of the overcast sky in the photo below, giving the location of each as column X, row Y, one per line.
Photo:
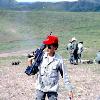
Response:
column 43, row 0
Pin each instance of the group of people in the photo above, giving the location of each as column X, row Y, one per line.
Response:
column 75, row 50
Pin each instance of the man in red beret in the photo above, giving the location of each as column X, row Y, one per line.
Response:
column 48, row 75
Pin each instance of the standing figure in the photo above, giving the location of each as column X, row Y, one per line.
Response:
column 70, row 51
column 48, row 74
column 75, row 50
column 80, row 50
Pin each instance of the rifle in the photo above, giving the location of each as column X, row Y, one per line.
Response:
column 38, row 56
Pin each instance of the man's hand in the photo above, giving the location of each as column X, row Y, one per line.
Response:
column 30, row 60
column 70, row 95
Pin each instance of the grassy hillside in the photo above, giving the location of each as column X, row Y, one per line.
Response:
column 26, row 30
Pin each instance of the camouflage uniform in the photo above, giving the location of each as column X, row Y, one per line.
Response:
column 70, row 51
column 48, row 76
column 75, row 52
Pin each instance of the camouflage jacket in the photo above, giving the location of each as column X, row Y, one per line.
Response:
column 48, row 75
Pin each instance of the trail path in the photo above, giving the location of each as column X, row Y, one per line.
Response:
column 15, row 53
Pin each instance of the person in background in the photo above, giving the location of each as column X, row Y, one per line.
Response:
column 70, row 51
column 75, row 50
column 97, row 59
column 80, row 50
column 48, row 74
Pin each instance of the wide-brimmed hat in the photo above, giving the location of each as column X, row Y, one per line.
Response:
column 51, row 39
column 73, row 39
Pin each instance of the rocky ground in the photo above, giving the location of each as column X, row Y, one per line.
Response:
column 16, row 85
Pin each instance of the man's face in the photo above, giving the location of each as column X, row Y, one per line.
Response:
column 51, row 48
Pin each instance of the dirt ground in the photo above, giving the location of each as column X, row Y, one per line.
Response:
column 16, row 85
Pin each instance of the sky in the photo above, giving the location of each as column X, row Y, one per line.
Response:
column 43, row 0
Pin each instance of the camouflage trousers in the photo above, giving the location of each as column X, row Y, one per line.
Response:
column 40, row 95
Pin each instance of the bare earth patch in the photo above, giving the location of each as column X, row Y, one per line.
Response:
column 16, row 85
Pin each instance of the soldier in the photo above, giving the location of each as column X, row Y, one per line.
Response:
column 70, row 51
column 75, row 50
column 48, row 75
column 80, row 50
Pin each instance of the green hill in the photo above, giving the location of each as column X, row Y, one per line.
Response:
column 76, row 6
column 26, row 30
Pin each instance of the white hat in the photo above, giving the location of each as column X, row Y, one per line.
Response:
column 74, row 39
